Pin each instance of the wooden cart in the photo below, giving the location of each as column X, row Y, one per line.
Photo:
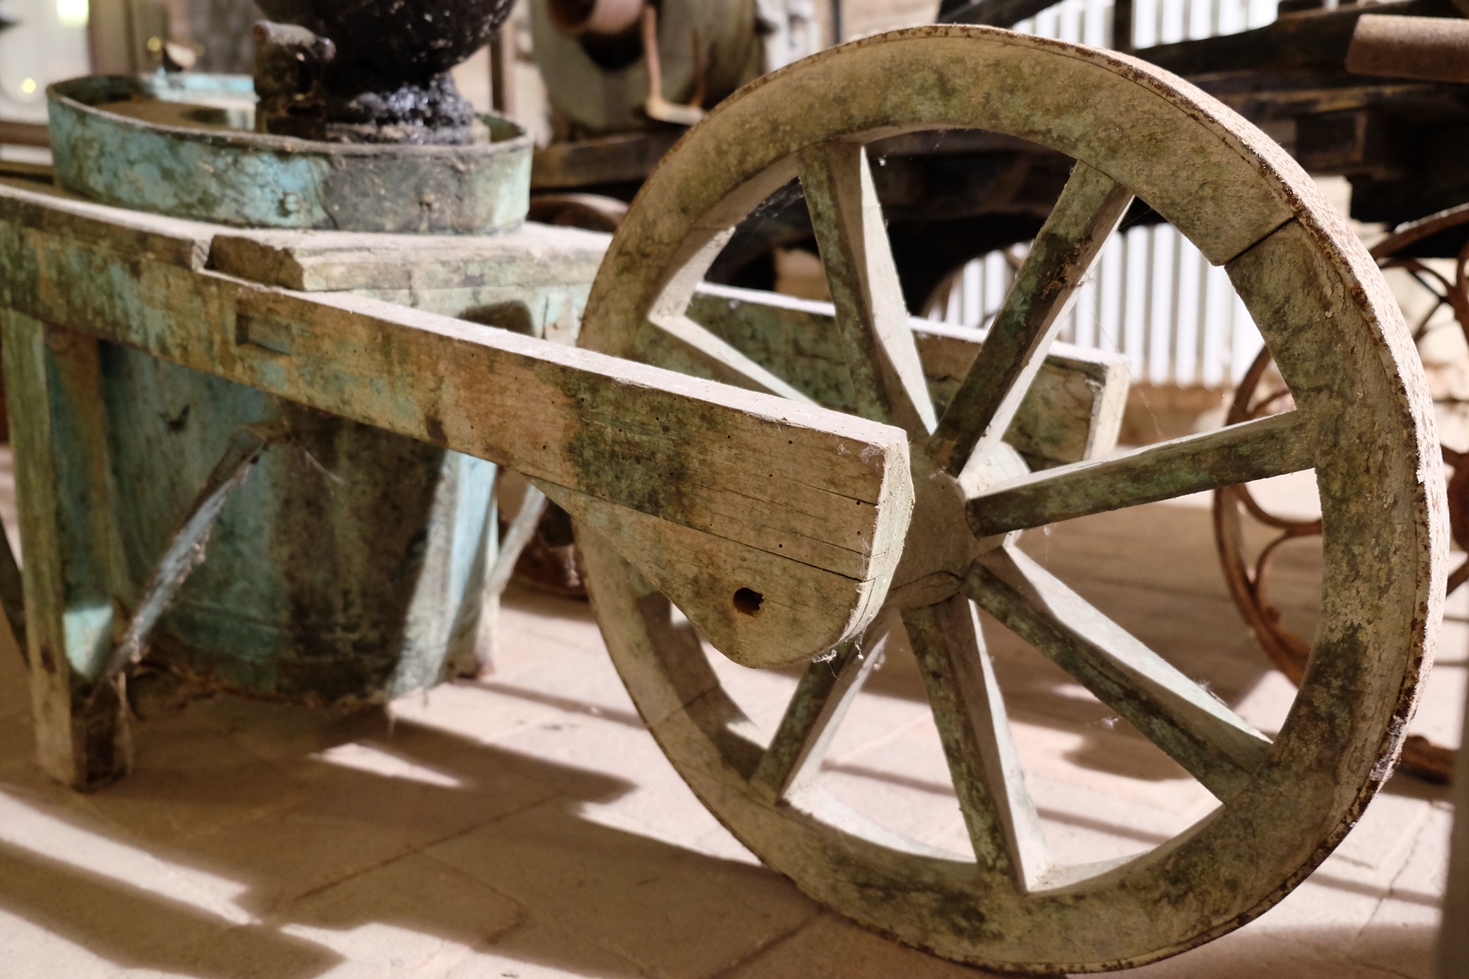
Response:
column 789, row 482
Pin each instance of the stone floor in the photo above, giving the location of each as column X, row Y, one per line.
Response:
column 527, row 826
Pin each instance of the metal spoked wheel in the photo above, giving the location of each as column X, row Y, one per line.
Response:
column 1361, row 419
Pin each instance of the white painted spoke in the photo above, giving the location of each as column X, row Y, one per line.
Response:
column 1195, row 728
column 678, row 343
column 1257, row 449
column 870, row 312
column 522, row 529
column 816, row 709
column 1003, row 826
column 981, row 410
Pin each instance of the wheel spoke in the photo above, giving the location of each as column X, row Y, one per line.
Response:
column 1196, row 729
column 680, row 344
column 979, row 414
column 821, row 699
column 870, row 313
column 1003, row 826
column 1270, row 446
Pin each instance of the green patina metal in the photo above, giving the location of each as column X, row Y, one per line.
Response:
column 347, row 567
column 230, row 175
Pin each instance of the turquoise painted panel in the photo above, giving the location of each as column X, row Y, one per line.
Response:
column 347, row 568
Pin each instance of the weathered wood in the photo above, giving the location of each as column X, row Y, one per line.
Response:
column 970, row 713
column 816, row 709
column 534, row 280
column 321, row 261
column 522, row 529
column 644, row 440
column 984, row 407
column 705, row 190
column 680, row 344
column 1270, row 446
column 54, row 398
column 134, row 234
column 1431, row 48
column 1312, row 289
column 1073, row 410
column 871, row 319
column 1192, row 726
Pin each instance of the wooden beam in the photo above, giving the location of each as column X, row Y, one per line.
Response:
column 745, row 494
column 1072, row 411
column 53, row 391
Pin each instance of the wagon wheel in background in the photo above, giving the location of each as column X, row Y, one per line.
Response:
column 1362, row 421
column 1261, row 393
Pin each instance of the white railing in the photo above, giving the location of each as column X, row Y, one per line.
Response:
column 1152, row 296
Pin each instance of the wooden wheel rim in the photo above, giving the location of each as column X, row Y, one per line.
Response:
column 1306, row 280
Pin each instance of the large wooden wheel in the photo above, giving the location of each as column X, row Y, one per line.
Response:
column 1362, row 420
column 1261, row 392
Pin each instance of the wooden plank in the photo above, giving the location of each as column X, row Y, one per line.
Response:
column 870, row 315
column 1192, row 726
column 813, row 503
column 1072, row 412
column 52, row 388
column 533, row 281
column 983, row 408
column 128, row 233
column 320, row 261
column 1258, row 449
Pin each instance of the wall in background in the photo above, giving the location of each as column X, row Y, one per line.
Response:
column 1152, row 296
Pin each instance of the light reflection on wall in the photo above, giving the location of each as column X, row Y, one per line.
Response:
column 48, row 43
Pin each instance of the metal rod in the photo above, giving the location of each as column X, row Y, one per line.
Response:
column 186, row 550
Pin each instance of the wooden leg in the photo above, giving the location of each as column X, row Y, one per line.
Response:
column 58, row 437
column 1453, row 944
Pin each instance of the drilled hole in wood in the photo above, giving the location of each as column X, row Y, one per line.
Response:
column 747, row 601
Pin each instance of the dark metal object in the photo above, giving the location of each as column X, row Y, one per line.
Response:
column 290, row 91
column 185, row 551
column 387, row 81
